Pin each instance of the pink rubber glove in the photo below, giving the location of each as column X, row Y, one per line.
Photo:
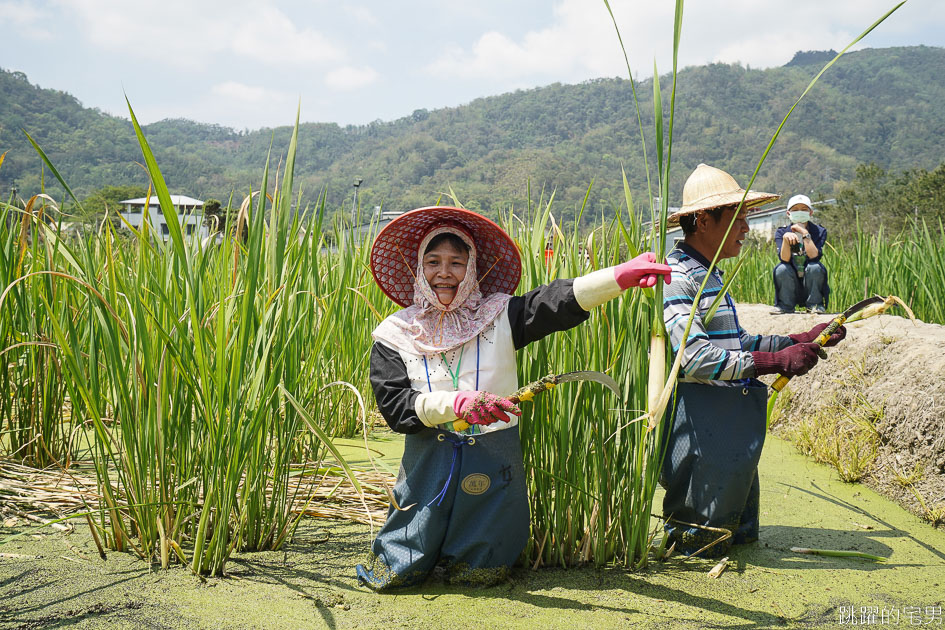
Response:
column 814, row 332
column 477, row 407
column 794, row 360
column 642, row 271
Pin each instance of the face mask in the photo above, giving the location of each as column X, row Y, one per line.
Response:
column 799, row 216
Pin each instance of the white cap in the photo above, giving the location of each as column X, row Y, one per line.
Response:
column 799, row 200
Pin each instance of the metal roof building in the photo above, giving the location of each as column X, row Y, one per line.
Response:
column 189, row 212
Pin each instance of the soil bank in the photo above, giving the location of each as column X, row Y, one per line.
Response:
column 58, row 579
column 890, row 367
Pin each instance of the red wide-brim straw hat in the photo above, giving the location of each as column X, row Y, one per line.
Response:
column 395, row 254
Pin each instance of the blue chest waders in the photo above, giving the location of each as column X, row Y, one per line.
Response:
column 710, row 469
column 469, row 510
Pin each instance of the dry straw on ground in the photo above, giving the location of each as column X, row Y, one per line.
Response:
column 327, row 493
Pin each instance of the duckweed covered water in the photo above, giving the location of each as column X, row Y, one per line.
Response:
column 311, row 582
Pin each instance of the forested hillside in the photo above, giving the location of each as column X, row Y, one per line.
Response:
column 885, row 106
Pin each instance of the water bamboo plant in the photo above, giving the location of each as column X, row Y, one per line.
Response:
column 197, row 374
column 593, row 476
column 198, row 367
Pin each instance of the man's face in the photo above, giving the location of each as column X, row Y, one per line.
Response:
column 714, row 231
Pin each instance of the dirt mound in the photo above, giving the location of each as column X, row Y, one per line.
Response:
column 895, row 369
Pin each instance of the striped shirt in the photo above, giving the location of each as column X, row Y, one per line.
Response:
column 718, row 352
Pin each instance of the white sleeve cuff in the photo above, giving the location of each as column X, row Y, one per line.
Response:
column 435, row 408
column 596, row 288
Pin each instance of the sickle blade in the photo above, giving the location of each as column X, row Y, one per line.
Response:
column 831, row 328
column 529, row 392
column 589, row 375
column 860, row 306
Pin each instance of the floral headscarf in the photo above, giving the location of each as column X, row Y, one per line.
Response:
column 429, row 327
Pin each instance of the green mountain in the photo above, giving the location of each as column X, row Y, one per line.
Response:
column 885, row 106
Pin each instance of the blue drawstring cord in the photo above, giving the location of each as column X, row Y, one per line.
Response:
column 457, row 444
column 477, row 362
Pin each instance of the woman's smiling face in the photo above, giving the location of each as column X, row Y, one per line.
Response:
column 444, row 267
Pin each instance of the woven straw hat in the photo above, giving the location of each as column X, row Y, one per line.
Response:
column 709, row 187
column 395, row 254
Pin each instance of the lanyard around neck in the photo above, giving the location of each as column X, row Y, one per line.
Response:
column 453, row 376
column 459, row 363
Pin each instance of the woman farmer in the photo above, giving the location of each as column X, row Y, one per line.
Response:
column 710, row 467
column 460, row 498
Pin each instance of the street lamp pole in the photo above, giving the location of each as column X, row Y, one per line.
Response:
column 354, row 201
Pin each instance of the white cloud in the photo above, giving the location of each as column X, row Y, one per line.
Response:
column 581, row 43
column 362, row 15
column 271, row 36
column 245, row 62
column 25, row 17
column 350, row 78
column 768, row 34
column 191, row 34
column 19, row 14
column 233, row 90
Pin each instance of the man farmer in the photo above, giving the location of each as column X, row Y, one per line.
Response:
column 800, row 277
column 711, row 460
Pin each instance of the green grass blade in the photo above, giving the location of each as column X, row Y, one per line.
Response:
column 53, row 169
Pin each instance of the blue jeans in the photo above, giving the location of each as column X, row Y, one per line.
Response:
column 810, row 291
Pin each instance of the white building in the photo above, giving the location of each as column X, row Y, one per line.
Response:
column 369, row 229
column 189, row 214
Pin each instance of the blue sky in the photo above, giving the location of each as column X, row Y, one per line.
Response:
column 247, row 63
